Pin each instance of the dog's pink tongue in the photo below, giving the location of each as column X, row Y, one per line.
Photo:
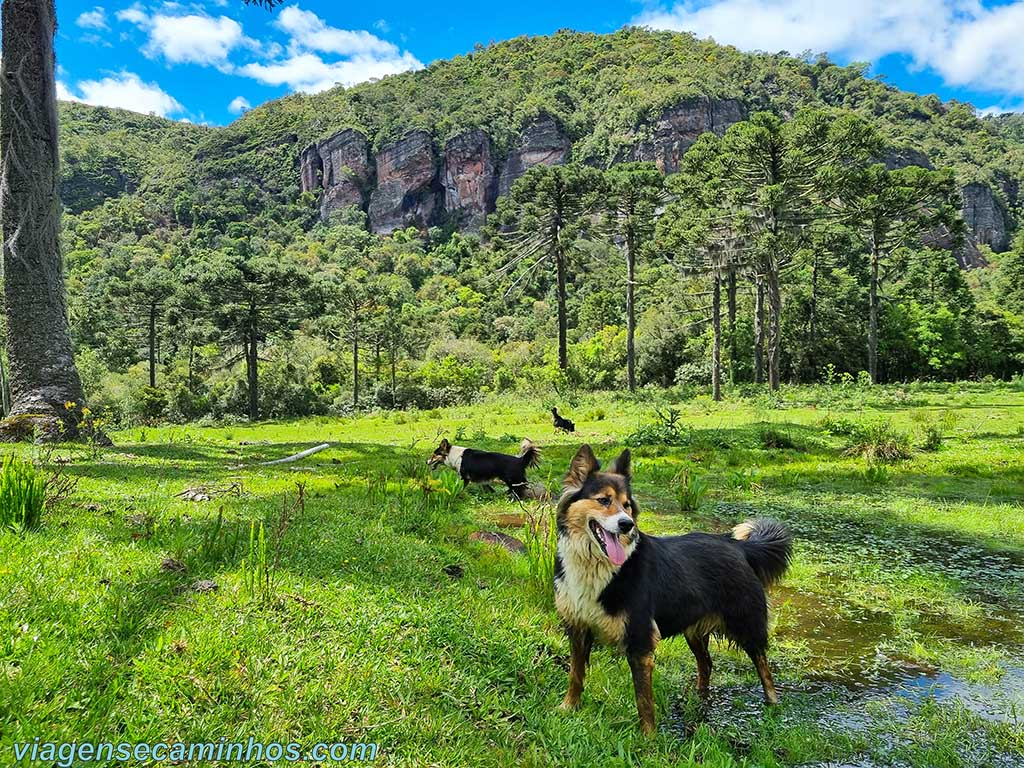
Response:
column 615, row 551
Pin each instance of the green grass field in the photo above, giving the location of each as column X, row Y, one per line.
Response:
column 368, row 614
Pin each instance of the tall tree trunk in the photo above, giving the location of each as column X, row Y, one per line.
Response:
column 759, row 330
column 355, row 369
column 43, row 377
column 716, row 349
column 630, row 314
column 152, row 345
column 774, row 329
column 733, row 346
column 873, row 314
column 563, row 349
column 394, row 376
column 252, row 363
column 812, row 322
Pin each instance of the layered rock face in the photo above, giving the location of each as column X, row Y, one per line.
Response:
column 407, row 192
column 347, row 171
column 470, row 178
column 340, row 167
column 311, row 169
column 984, row 217
column 408, row 184
column 542, row 142
column 681, row 125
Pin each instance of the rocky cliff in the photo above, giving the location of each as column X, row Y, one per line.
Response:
column 409, row 183
column 470, row 179
column 665, row 142
column 985, row 217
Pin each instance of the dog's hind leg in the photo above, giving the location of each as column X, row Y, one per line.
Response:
column 642, row 667
column 765, row 673
column 699, row 646
column 580, row 643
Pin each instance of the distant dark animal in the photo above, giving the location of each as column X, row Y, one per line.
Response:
column 627, row 589
column 561, row 423
column 476, row 466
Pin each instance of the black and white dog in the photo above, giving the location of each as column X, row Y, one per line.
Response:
column 625, row 588
column 476, row 466
column 562, row 423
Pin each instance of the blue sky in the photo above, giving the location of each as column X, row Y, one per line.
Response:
column 207, row 61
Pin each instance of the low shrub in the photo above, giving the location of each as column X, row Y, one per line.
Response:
column 880, row 441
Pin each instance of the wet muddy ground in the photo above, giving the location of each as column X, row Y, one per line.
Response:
column 856, row 679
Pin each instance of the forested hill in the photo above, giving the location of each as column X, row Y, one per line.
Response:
column 315, row 254
column 633, row 94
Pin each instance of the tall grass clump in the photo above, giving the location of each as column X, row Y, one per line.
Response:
column 880, row 441
column 691, row 489
column 257, row 569
column 22, row 494
column 666, row 429
column 541, row 540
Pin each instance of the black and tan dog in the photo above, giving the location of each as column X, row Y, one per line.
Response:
column 622, row 587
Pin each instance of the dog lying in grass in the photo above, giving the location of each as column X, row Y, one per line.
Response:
column 619, row 586
column 484, row 467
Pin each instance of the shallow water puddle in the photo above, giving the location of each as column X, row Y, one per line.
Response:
column 851, row 681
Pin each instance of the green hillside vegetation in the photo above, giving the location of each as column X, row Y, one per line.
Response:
column 168, row 223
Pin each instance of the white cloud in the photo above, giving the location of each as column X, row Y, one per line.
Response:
column 316, row 56
column 309, row 32
column 125, row 90
column 996, row 109
column 191, row 38
column 238, row 105
column 94, row 19
column 64, row 93
column 133, row 15
column 961, row 40
column 309, row 73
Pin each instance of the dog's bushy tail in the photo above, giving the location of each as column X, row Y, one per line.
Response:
column 529, row 454
column 768, row 548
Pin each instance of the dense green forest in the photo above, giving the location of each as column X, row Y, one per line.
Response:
column 203, row 283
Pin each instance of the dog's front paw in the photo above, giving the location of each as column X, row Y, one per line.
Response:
column 569, row 704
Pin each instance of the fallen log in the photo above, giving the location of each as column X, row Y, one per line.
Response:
column 297, row 456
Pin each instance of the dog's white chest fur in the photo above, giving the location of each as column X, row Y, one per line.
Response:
column 583, row 579
column 454, row 458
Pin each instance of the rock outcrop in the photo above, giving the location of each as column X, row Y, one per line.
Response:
column 906, row 157
column 985, row 217
column 311, row 169
column 542, row 142
column 407, row 190
column 679, row 126
column 470, row 180
column 346, row 170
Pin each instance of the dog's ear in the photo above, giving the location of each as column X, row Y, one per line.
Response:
column 623, row 465
column 444, row 446
column 583, row 464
